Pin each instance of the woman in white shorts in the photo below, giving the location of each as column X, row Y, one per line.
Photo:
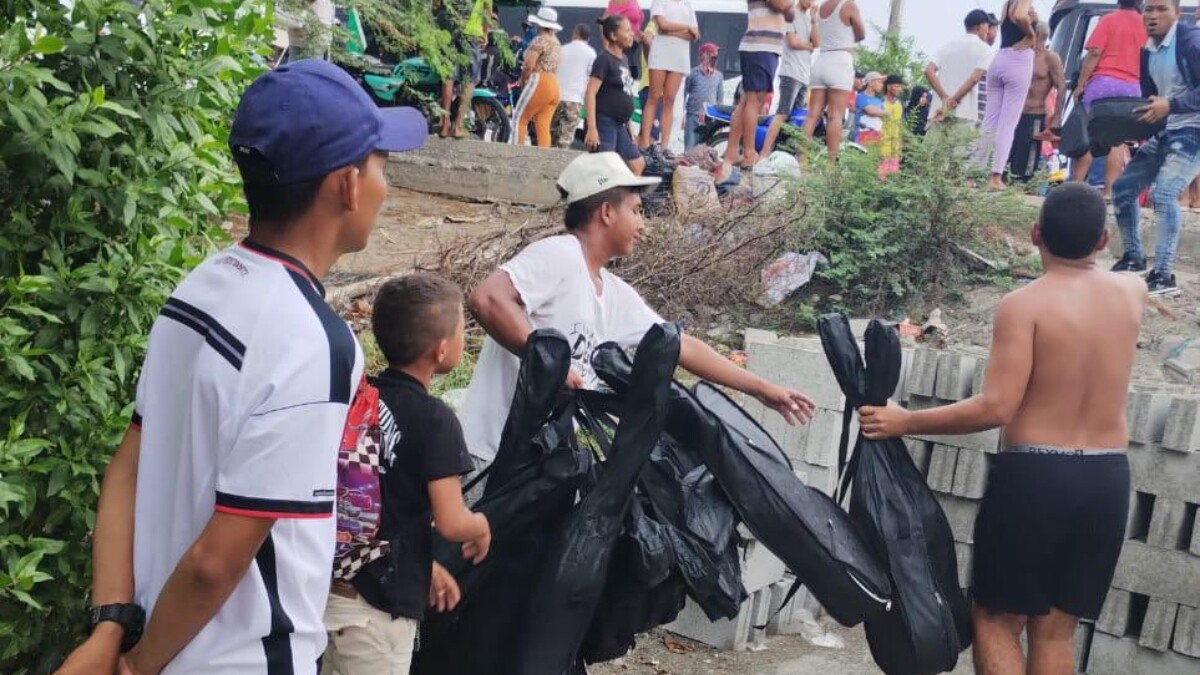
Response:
column 841, row 28
column 670, row 61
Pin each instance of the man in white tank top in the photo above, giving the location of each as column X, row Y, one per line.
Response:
column 841, row 27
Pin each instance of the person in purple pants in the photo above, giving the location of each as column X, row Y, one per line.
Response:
column 1008, row 82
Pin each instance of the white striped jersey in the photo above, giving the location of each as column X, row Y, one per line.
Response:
column 242, row 401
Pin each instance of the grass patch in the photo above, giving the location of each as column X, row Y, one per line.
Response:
column 458, row 378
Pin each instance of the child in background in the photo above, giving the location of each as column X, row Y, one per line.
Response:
column 372, row 621
column 704, row 86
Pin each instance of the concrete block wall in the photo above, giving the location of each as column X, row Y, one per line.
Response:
column 1151, row 620
column 481, row 171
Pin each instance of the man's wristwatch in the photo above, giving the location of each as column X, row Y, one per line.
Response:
column 129, row 616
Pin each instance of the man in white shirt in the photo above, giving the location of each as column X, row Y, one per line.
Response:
column 955, row 73
column 562, row 283
column 215, row 517
column 573, row 72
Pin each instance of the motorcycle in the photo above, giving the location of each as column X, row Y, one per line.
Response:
column 715, row 130
column 414, row 82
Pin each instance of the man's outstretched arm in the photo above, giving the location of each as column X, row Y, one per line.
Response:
column 112, row 558
column 201, row 583
column 704, row 362
column 1009, row 367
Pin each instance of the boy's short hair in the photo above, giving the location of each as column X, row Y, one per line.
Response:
column 412, row 314
column 582, row 31
column 580, row 213
column 1072, row 221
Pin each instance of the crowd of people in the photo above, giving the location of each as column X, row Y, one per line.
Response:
column 216, row 539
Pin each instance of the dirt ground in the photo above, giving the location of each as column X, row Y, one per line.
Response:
column 415, row 225
column 1167, row 323
column 783, row 655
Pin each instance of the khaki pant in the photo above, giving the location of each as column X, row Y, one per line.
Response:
column 366, row 641
column 566, row 121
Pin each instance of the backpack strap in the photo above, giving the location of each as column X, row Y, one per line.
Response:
column 847, row 460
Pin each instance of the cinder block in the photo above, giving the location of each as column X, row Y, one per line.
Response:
column 964, row 555
column 906, row 363
column 1173, row 576
column 789, row 619
column 723, row 634
column 824, row 434
column 919, row 450
column 942, row 464
column 962, row 514
column 955, row 374
column 922, row 378
column 1123, row 656
column 1196, row 538
column 1165, row 473
column 1114, row 617
column 970, row 474
column 1083, row 644
column 760, row 567
column 819, row 477
column 980, row 374
column 1147, row 415
column 1187, row 631
column 800, row 368
column 1166, row 523
column 1159, row 625
column 988, row 441
column 1182, row 432
column 760, row 613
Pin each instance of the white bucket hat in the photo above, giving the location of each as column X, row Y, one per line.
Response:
column 546, row 17
column 589, row 175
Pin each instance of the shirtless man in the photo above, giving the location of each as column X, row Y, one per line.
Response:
column 1053, row 517
column 1035, row 127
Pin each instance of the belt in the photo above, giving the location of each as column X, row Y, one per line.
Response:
column 343, row 589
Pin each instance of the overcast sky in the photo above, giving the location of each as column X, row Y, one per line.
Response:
column 934, row 22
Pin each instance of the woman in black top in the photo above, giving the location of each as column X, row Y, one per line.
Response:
column 1008, row 81
column 609, row 99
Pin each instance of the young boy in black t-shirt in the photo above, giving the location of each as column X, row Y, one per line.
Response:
column 372, row 621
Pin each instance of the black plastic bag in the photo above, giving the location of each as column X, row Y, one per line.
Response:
column 1075, row 142
column 1112, row 122
column 526, row 503
column 928, row 624
column 802, row 526
column 575, row 569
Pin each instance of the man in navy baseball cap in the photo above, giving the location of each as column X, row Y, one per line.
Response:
column 311, row 147
column 228, row 515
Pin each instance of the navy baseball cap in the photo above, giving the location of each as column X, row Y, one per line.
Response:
column 303, row 120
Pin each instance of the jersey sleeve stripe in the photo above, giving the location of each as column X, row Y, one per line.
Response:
column 277, row 515
column 211, row 338
column 341, row 341
column 279, row 508
column 235, row 345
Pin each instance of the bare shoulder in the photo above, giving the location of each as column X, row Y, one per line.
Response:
column 1020, row 305
column 1134, row 285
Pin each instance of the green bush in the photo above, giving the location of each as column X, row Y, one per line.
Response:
column 114, row 173
column 904, row 241
column 894, row 55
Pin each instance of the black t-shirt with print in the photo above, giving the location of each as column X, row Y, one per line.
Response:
column 613, row 100
column 424, row 444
